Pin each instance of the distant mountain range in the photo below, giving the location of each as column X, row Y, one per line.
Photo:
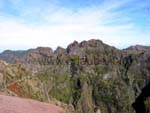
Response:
column 138, row 48
column 74, row 48
column 86, row 77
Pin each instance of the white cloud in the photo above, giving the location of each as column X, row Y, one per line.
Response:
column 62, row 26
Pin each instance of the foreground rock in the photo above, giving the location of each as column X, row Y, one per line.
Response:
column 10, row 104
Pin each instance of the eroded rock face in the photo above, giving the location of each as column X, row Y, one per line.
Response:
column 110, row 85
column 10, row 104
column 60, row 51
column 26, row 56
column 74, row 48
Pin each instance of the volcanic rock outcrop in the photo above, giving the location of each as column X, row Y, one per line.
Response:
column 86, row 77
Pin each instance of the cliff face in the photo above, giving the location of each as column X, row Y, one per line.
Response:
column 89, row 77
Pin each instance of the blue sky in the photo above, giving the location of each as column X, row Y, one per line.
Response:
column 30, row 23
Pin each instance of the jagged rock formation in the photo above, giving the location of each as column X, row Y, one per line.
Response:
column 88, row 77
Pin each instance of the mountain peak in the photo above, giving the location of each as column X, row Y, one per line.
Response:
column 60, row 50
column 138, row 48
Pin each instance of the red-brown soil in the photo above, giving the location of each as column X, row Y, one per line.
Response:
column 9, row 104
column 17, row 89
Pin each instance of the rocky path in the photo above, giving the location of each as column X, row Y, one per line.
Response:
column 9, row 104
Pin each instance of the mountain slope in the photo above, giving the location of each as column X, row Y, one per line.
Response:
column 88, row 77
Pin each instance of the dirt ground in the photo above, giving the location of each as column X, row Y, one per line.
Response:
column 9, row 104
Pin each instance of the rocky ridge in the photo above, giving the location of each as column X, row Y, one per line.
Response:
column 88, row 77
